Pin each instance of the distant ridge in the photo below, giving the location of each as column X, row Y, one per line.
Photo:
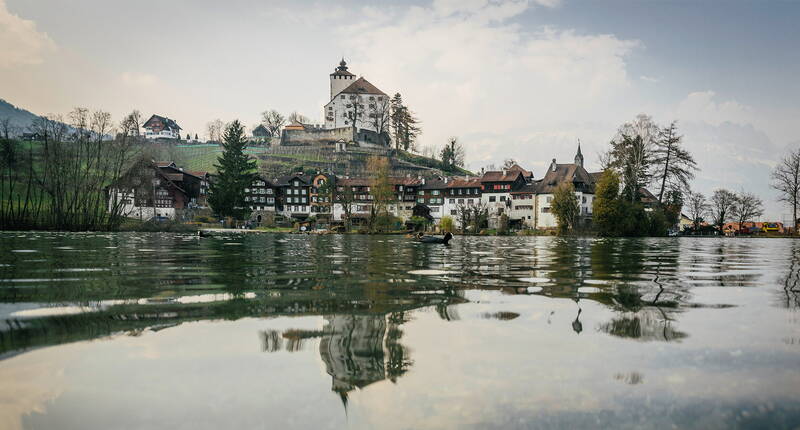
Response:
column 20, row 118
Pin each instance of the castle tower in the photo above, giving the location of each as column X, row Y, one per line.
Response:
column 341, row 78
column 579, row 156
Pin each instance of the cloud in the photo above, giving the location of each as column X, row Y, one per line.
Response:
column 703, row 106
column 20, row 42
column 469, row 69
column 650, row 79
column 138, row 79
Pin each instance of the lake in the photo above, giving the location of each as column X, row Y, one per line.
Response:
column 158, row 330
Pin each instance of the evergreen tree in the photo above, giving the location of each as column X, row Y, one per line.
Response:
column 605, row 207
column 404, row 124
column 565, row 208
column 235, row 172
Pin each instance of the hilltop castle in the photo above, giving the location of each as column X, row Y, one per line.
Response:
column 357, row 113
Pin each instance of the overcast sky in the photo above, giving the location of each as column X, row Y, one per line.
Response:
column 520, row 79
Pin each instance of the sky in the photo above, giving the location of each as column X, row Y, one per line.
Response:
column 522, row 79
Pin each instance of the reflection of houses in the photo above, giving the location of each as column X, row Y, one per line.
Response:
column 359, row 350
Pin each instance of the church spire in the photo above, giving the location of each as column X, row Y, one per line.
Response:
column 579, row 156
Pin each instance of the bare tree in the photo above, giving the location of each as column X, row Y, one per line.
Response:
column 697, row 206
column 272, row 120
column 214, row 130
column 509, row 163
column 381, row 115
column 746, row 207
column 345, row 197
column 721, row 207
column 786, row 180
column 674, row 165
column 298, row 118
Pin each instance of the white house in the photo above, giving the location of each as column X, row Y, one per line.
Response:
column 159, row 127
column 557, row 174
column 355, row 101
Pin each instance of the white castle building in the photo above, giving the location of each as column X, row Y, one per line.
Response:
column 356, row 102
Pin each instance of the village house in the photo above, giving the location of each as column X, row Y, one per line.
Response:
column 354, row 193
column 159, row 190
column 293, row 194
column 260, row 197
column 556, row 175
column 205, row 183
column 460, row 194
column 405, row 190
column 496, row 188
column 322, row 187
column 159, row 127
column 521, row 214
column 431, row 194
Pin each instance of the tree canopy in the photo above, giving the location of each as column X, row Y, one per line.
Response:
column 235, row 172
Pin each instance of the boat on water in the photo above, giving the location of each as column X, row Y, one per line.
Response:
column 434, row 239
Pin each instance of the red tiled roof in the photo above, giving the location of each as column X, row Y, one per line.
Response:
column 464, row 183
column 499, row 176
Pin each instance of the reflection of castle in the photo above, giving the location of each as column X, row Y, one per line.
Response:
column 359, row 350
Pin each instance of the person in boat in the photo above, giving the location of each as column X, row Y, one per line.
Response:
column 434, row 239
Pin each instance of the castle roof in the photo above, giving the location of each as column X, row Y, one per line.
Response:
column 362, row 86
column 342, row 69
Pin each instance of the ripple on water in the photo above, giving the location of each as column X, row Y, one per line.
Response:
column 429, row 272
column 535, row 280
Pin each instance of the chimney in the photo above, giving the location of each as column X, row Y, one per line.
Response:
column 553, row 165
column 445, row 179
column 423, row 181
column 505, row 171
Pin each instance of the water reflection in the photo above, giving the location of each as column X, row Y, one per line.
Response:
column 505, row 302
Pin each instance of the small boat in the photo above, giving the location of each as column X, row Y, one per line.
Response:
column 435, row 239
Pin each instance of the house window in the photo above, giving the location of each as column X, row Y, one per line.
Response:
column 342, row 97
column 420, row 200
column 296, row 183
column 491, row 198
column 435, row 192
column 502, row 198
column 545, row 210
column 452, row 201
column 549, row 199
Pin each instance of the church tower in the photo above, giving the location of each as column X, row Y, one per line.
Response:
column 341, row 79
column 579, row 156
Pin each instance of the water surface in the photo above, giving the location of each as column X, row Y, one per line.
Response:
column 160, row 330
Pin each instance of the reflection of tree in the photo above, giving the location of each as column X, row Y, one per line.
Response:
column 790, row 296
column 647, row 324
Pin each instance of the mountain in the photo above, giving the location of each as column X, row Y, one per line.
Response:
column 20, row 118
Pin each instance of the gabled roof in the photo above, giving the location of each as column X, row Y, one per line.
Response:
column 433, row 184
column 464, row 183
column 500, row 176
column 285, row 181
column 168, row 123
column 563, row 173
column 165, row 164
column 517, row 168
column 362, row 86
